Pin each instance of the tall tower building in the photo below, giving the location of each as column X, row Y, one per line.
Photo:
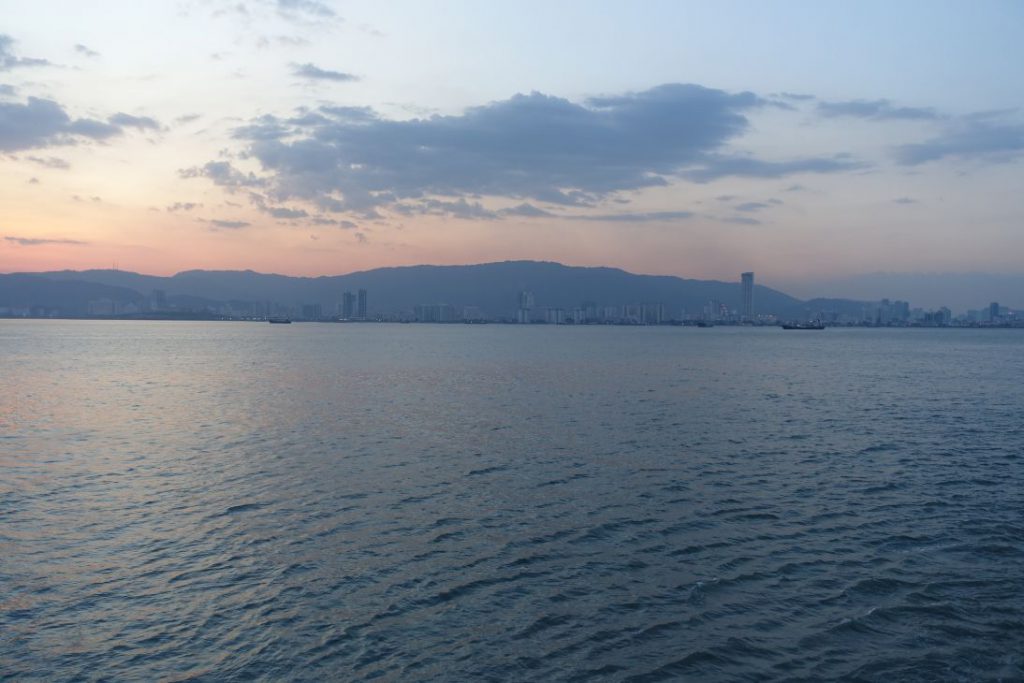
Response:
column 348, row 305
column 523, row 313
column 361, row 305
column 747, row 284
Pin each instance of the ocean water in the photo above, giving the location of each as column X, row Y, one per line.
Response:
column 242, row 501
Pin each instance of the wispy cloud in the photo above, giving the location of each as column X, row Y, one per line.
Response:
column 878, row 110
column 973, row 138
column 285, row 213
column 8, row 60
column 526, row 210
column 749, row 167
column 264, row 42
column 644, row 217
column 741, row 220
column 313, row 72
column 49, row 162
column 228, row 225
column 305, row 9
column 222, row 173
column 39, row 241
column 85, row 51
column 129, row 121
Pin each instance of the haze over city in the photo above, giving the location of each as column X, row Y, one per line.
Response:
column 809, row 142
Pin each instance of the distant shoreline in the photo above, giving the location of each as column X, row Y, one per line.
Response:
column 509, row 323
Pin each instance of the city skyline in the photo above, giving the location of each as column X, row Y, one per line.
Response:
column 806, row 143
column 480, row 293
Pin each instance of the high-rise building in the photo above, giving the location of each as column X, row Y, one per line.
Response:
column 361, row 305
column 348, row 305
column 993, row 311
column 747, row 284
column 524, row 312
column 653, row 314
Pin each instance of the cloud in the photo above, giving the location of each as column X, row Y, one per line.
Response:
column 904, row 200
column 128, row 121
column 285, row 212
column 90, row 128
column 741, row 220
column 799, row 97
column 9, row 61
column 187, row 118
column 314, row 72
column 263, row 128
column 529, row 148
column 750, row 207
column 7, row 90
column 42, row 123
column 264, row 42
column 647, row 217
column 347, row 225
column 33, row 181
column 975, row 138
column 749, row 167
column 312, row 9
column 83, row 50
column 526, row 210
column 49, row 162
column 222, row 173
column 230, row 225
column 361, row 237
column 182, row 206
column 436, row 207
column 794, row 188
column 877, row 110
column 38, row 241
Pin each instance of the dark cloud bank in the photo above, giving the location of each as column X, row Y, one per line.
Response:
column 528, row 147
column 39, row 123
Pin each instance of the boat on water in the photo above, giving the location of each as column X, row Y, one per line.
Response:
column 278, row 320
column 813, row 325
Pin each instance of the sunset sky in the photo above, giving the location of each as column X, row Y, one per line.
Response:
column 801, row 140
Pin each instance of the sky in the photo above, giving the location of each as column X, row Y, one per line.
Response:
column 805, row 141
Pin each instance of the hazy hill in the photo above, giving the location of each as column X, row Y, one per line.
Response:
column 23, row 290
column 493, row 287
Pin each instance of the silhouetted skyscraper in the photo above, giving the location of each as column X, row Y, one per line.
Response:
column 523, row 313
column 348, row 305
column 747, row 309
column 361, row 305
column 993, row 311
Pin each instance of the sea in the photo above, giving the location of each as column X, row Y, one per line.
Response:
column 237, row 501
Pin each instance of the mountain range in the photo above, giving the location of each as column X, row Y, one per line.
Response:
column 493, row 288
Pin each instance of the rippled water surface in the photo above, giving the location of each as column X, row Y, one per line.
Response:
column 238, row 501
